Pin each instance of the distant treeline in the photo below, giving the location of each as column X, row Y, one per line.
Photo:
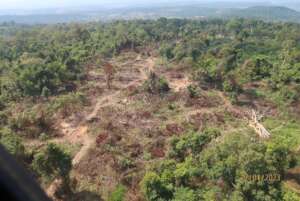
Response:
column 268, row 13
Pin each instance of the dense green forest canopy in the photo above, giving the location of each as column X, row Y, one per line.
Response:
column 38, row 60
column 41, row 62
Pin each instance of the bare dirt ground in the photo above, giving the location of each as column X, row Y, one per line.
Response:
column 134, row 125
column 292, row 179
column 109, row 100
column 80, row 132
column 178, row 81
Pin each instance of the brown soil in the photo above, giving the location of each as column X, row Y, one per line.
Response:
column 79, row 133
column 292, row 179
column 124, row 123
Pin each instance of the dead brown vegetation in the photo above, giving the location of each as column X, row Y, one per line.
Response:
column 109, row 73
column 127, row 123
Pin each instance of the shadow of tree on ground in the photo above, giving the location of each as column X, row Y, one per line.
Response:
column 86, row 196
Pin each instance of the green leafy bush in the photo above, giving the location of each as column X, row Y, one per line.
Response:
column 191, row 143
column 12, row 143
column 154, row 189
column 118, row 194
column 193, row 91
column 166, row 51
column 156, row 85
column 185, row 194
column 52, row 162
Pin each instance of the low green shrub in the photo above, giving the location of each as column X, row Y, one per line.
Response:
column 12, row 143
column 118, row 194
column 156, row 84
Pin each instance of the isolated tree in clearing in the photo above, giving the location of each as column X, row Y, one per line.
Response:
column 109, row 73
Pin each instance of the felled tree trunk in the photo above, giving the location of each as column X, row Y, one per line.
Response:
column 109, row 72
column 258, row 127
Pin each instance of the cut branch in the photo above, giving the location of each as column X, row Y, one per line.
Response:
column 258, row 127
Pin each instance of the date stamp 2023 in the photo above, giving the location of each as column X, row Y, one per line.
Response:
column 263, row 177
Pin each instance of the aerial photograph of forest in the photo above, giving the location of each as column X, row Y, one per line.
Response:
column 150, row 100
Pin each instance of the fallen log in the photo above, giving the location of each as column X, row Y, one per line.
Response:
column 258, row 127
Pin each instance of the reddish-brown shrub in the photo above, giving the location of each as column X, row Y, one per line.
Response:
column 157, row 152
column 174, row 129
column 101, row 138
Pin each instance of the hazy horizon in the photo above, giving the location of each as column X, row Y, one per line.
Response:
column 51, row 4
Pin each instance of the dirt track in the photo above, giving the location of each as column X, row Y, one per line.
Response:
column 103, row 102
column 79, row 134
